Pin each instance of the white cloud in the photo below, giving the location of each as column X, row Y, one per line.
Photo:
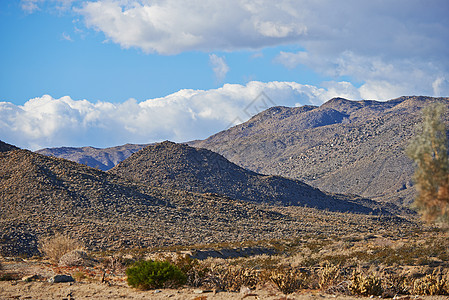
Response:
column 395, row 47
column 174, row 26
column 66, row 37
column 30, row 6
column 182, row 116
column 219, row 67
column 373, row 42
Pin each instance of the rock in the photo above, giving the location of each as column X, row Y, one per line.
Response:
column 61, row 278
column 244, row 290
column 30, row 278
column 75, row 258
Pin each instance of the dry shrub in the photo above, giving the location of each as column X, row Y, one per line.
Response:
column 432, row 284
column 58, row 245
column 288, row 280
column 236, row 277
column 365, row 285
column 194, row 270
column 328, row 276
column 79, row 275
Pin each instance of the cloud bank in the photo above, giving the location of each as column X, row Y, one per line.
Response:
column 395, row 48
column 182, row 116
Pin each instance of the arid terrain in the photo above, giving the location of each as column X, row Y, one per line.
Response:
column 312, row 203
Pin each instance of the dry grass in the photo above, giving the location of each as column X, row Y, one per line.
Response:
column 56, row 246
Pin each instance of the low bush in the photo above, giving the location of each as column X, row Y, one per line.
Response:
column 432, row 284
column 363, row 285
column 154, row 274
column 288, row 280
column 55, row 247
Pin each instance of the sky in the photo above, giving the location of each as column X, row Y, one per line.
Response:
column 109, row 72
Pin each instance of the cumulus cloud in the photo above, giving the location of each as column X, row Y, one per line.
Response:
column 219, row 67
column 376, row 43
column 174, row 26
column 181, row 116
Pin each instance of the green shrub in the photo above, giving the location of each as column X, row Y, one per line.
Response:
column 154, row 274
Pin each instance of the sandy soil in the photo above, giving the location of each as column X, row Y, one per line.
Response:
column 81, row 290
column 116, row 287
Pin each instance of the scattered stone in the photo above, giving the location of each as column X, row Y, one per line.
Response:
column 61, row 278
column 75, row 258
column 202, row 291
column 30, row 278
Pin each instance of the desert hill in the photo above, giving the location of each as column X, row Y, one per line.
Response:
column 178, row 166
column 6, row 147
column 43, row 195
column 343, row 146
column 103, row 159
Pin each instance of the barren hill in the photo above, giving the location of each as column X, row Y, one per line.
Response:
column 178, row 166
column 343, row 146
column 103, row 159
column 6, row 147
column 43, row 195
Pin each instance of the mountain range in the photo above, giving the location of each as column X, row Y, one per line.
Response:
column 342, row 146
column 44, row 195
column 287, row 172
column 102, row 159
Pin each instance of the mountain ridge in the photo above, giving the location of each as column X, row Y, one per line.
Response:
column 44, row 195
column 179, row 166
column 333, row 157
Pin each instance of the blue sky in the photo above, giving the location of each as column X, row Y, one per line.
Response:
column 109, row 72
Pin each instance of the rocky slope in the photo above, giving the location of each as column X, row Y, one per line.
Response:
column 349, row 147
column 178, row 166
column 103, row 159
column 43, row 195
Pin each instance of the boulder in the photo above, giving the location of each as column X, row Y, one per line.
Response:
column 75, row 258
column 61, row 278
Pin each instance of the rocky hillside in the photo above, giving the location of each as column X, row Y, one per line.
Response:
column 6, row 147
column 349, row 147
column 178, row 166
column 43, row 195
column 103, row 159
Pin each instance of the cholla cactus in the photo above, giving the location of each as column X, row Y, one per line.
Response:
column 431, row 285
column 365, row 285
column 287, row 280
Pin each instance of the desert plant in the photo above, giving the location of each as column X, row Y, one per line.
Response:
column 236, row 277
column 431, row 284
column 154, row 274
column 328, row 276
column 58, row 245
column 194, row 271
column 79, row 275
column 365, row 285
column 287, row 280
column 428, row 149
